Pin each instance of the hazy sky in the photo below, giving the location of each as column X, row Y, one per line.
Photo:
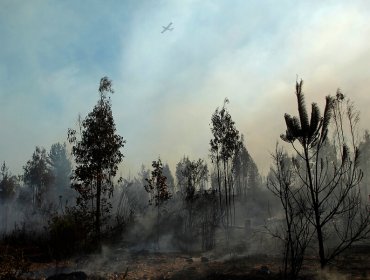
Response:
column 53, row 54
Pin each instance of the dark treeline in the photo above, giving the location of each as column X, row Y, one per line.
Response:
column 69, row 201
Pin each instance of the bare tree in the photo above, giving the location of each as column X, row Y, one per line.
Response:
column 295, row 232
column 332, row 188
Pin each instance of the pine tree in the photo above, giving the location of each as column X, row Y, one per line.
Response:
column 332, row 186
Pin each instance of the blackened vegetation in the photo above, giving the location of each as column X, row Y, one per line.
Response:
column 295, row 233
column 319, row 188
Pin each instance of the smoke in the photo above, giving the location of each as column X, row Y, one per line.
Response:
column 11, row 217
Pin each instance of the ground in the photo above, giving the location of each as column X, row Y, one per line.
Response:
column 122, row 264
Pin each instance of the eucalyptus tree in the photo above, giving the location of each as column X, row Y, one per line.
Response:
column 225, row 145
column 158, row 189
column 335, row 208
column 38, row 176
column 245, row 171
column 97, row 154
column 191, row 177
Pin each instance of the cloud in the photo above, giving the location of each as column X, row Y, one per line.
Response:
column 168, row 85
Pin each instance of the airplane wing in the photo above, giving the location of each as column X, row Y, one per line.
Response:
column 165, row 28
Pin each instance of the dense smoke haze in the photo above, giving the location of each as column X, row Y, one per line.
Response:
column 168, row 84
column 178, row 140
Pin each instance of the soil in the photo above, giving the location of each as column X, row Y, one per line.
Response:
column 121, row 264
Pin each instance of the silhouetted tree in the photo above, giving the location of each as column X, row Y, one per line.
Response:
column 62, row 170
column 364, row 148
column 158, row 190
column 295, row 232
column 224, row 146
column 97, row 155
column 191, row 177
column 9, row 184
column 209, row 218
column 38, row 175
column 170, row 179
column 246, row 175
column 335, row 201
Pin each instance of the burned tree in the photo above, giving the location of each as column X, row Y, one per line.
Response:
column 294, row 232
column 97, row 155
column 331, row 188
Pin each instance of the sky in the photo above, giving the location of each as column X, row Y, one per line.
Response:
column 167, row 85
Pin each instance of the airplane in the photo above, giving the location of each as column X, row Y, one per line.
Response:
column 165, row 28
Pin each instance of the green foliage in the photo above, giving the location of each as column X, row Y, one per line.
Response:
column 225, row 145
column 97, row 155
column 226, row 137
column 9, row 184
column 157, row 185
column 158, row 191
column 191, row 176
column 38, row 175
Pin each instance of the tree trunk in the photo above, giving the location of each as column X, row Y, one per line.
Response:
column 316, row 211
column 97, row 212
column 226, row 196
column 219, row 181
